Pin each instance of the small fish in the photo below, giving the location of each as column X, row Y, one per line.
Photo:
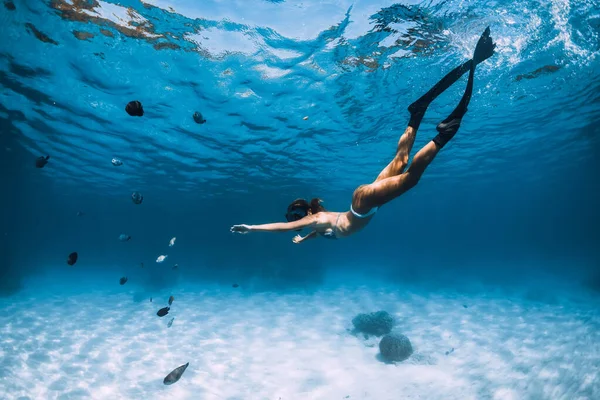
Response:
column 465, row 306
column 171, row 300
column 150, row 299
column 305, row 118
column 170, row 323
column 198, row 118
column 161, row 259
column 142, row 265
column 235, row 285
column 540, row 71
column 124, row 238
column 80, row 213
column 134, row 108
column 450, row 352
column 41, row 162
column 123, row 280
column 175, row 375
column 116, row 162
column 137, row 198
column 172, row 242
column 72, row 259
column 163, row 311
column 175, row 266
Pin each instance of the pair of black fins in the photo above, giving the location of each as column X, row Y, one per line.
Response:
column 448, row 127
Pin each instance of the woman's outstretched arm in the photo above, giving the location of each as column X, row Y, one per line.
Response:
column 306, row 222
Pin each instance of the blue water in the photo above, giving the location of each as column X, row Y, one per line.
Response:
column 302, row 99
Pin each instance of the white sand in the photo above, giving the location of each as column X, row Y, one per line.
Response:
column 270, row 346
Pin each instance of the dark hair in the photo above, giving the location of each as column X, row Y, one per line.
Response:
column 315, row 205
column 299, row 208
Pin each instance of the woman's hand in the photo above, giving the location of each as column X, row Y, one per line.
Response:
column 297, row 239
column 243, row 229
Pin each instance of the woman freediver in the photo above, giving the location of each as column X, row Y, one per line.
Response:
column 393, row 180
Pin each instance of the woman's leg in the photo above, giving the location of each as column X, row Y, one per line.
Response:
column 389, row 187
column 417, row 111
column 385, row 190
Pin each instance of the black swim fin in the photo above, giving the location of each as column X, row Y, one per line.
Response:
column 418, row 108
column 448, row 127
column 484, row 50
column 485, row 47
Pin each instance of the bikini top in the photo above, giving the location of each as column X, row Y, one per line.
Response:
column 331, row 233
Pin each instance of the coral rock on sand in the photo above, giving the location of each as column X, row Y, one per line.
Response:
column 377, row 323
column 395, row 347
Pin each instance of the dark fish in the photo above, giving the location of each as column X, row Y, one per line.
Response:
column 123, row 280
column 134, row 108
column 175, row 375
column 41, row 36
column 540, row 71
column 41, row 162
column 171, row 300
column 150, row 299
column 465, row 306
column 124, row 238
column 163, row 311
column 10, row 5
column 72, row 258
column 142, row 265
column 137, row 198
column 235, row 285
column 198, row 118
column 170, row 322
column 175, row 266
column 80, row 213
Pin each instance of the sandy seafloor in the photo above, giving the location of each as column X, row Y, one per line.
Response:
column 248, row 345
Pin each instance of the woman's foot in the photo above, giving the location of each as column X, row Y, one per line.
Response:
column 417, row 112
